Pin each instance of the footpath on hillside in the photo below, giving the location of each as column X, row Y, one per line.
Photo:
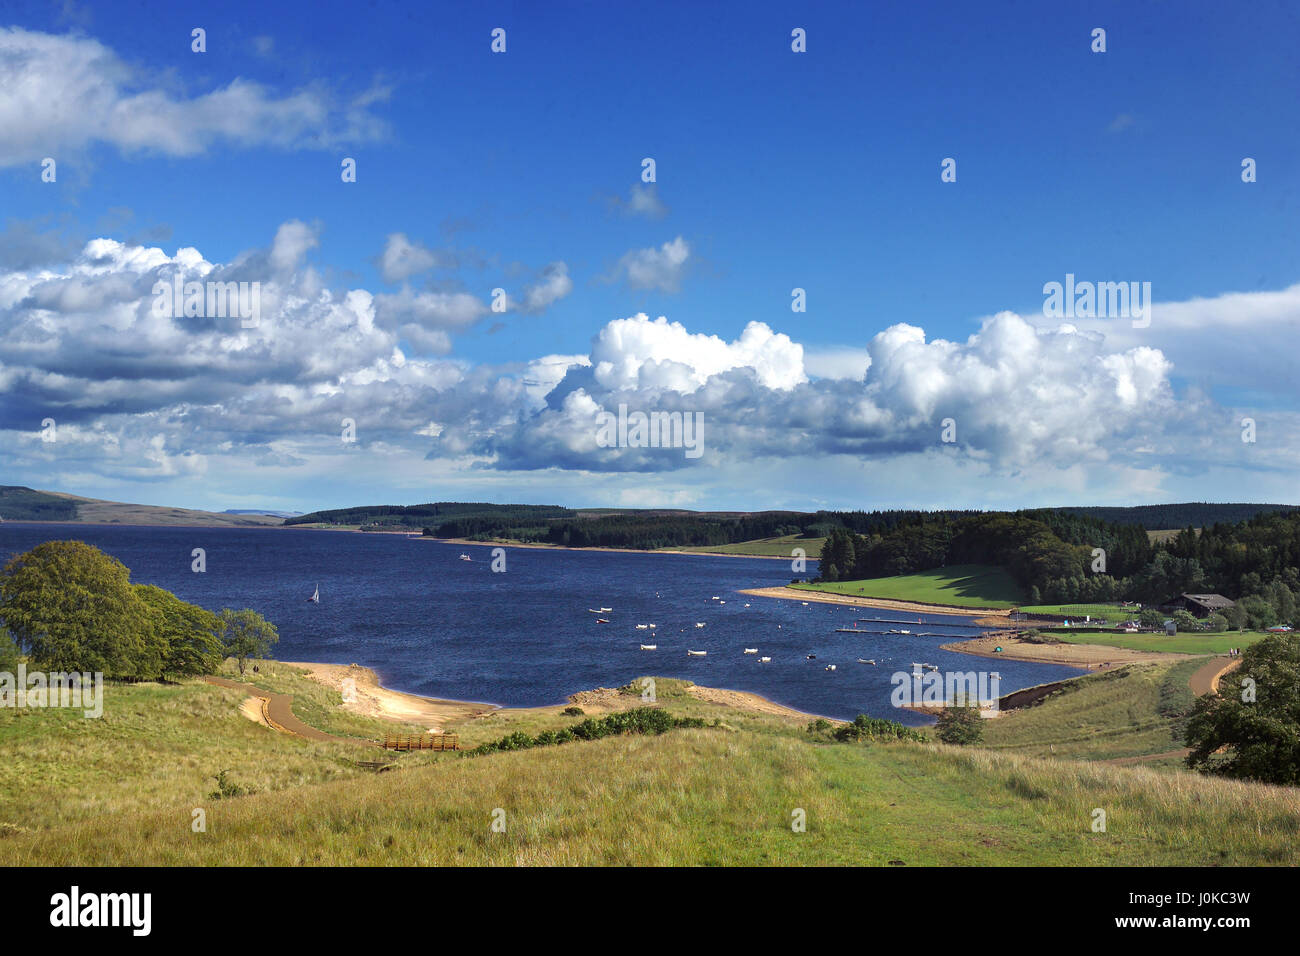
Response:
column 278, row 709
column 1205, row 680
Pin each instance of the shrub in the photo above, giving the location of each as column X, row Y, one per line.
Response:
column 961, row 725
column 225, row 787
column 876, row 728
column 642, row 720
column 573, row 712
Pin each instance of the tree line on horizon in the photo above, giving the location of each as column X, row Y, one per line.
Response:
column 1053, row 556
column 647, row 529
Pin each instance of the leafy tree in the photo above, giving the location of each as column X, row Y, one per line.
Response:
column 245, row 634
column 1150, row 617
column 188, row 632
column 1259, row 613
column 72, row 608
column 1216, row 622
column 961, row 725
column 10, row 656
column 1259, row 737
column 1186, row 620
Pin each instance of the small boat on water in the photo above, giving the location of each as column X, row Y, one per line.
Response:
column 315, row 596
column 699, row 623
column 812, row 657
column 751, row 650
column 593, row 610
column 765, row 660
column 714, row 598
column 830, row 667
column 642, row 627
column 746, row 605
column 466, row 557
column 606, row 610
column 649, row 647
column 696, row 653
column 652, row 627
column 601, row 620
column 863, row 660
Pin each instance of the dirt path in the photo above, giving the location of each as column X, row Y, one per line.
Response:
column 1205, row 680
column 278, row 710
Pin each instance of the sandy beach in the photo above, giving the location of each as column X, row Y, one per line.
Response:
column 880, row 604
column 1090, row 656
column 374, row 700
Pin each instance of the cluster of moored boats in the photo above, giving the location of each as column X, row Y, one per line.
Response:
column 753, row 651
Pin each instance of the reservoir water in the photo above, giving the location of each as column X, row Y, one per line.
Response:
column 430, row 623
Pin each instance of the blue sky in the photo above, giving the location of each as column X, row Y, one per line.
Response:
column 775, row 170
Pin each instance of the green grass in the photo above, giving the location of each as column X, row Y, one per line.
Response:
column 763, row 547
column 1122, row 713
column 121, row 791
column 1106, row 612
column 1178, row 644
column 976, row 586
column 710, row 797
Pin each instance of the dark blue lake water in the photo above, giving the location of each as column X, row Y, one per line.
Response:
column 430, row 623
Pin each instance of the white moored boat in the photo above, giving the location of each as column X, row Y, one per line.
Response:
column 696, row 653
column 765, row 660
column 649, row 647
column 315, row 596
column 751, row 650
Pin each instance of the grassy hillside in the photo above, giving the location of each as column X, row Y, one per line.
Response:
column 976, row 586
column 1120, row 713
column 765, row 547
column 122, row 790
column 24, row 504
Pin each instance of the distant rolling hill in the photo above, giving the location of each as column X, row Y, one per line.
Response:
column 26, row 504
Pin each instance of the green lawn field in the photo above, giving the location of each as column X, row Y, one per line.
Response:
column 977, row 586
column 1178, row 644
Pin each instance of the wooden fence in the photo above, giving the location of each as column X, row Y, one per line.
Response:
column 421, row 741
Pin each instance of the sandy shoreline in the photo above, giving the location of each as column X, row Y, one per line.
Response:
column 372, row 699
column 1086, row 656
column 880, row 604
column 1089, row 656
column 559, row 547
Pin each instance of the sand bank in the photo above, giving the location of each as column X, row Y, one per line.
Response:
column 373, row 700
column 880, row 604
column 1090, row 656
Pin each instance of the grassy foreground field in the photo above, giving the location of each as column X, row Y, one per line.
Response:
column 977, row 586
column 123, row 790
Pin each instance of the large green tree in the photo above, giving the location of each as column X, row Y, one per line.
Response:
column 245, row 634
column 189, row 633
column 1251, row 728
column 71, row 607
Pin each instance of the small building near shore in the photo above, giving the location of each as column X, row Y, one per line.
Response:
column 1200, row 605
